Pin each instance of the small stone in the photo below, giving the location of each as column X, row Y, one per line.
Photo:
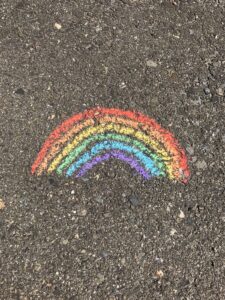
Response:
column 37, row 267
column 154, row 100
column 123, row 261
column 84, row 179
column 97, row 176
column 51, row 117
column 122, row 85
column 159, row 273
column 181, row 215
column 201, row 165
column 159, row 260
column 20, row 91
column 173, row 231
column 151, row 63
column 194, row 159
column 98, row 28
column 2, row 204
column 99, row 199
column 104, row 254
column 220, row 91
column 95, row 236
column 107, row 215
column 82, row 212
column 207, row 91
column 133, row 199
column 72, row 192
column 190, row 150
column 65, row 242
column 58, row 26
column 100, row 279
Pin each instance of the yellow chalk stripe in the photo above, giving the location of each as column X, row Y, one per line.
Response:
column 118, row 120
column 153, row 134
column 56, row 146
column 114, row 128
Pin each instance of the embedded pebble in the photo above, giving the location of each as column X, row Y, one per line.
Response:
column 207, row 91
column 181, row 215
column 37, row 267
column 51, row 117
column 98, row 28
column 159, row 260
column 100, row 279
column 107, row 215
column 65, row 242
column 201, row 165
column 190, row 150
column 220, row 91
column 82, row 212
column 99, row 199
column 20, row 91
column 58, row 26
column 2, row 204
column 194, row 158
column 104, row 254
column 173, row 231
column 159, row 273
column 151, row 63
column 133, row 199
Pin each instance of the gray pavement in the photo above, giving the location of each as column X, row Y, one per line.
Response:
column 112, row 235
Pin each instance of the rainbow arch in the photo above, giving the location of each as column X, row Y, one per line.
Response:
column 98, row 134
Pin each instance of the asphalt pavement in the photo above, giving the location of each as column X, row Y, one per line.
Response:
column 112, row 235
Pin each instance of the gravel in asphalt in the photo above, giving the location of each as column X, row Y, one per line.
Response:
column 112, row 235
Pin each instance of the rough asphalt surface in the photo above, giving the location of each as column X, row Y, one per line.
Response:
column 112, row 235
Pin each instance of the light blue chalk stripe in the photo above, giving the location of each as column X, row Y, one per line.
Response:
column 112, row 145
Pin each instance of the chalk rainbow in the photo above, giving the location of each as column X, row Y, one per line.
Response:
column 99, row 134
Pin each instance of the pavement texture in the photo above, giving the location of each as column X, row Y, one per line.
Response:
column 112, row 235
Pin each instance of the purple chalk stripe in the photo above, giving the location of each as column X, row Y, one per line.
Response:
column 114, row 154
